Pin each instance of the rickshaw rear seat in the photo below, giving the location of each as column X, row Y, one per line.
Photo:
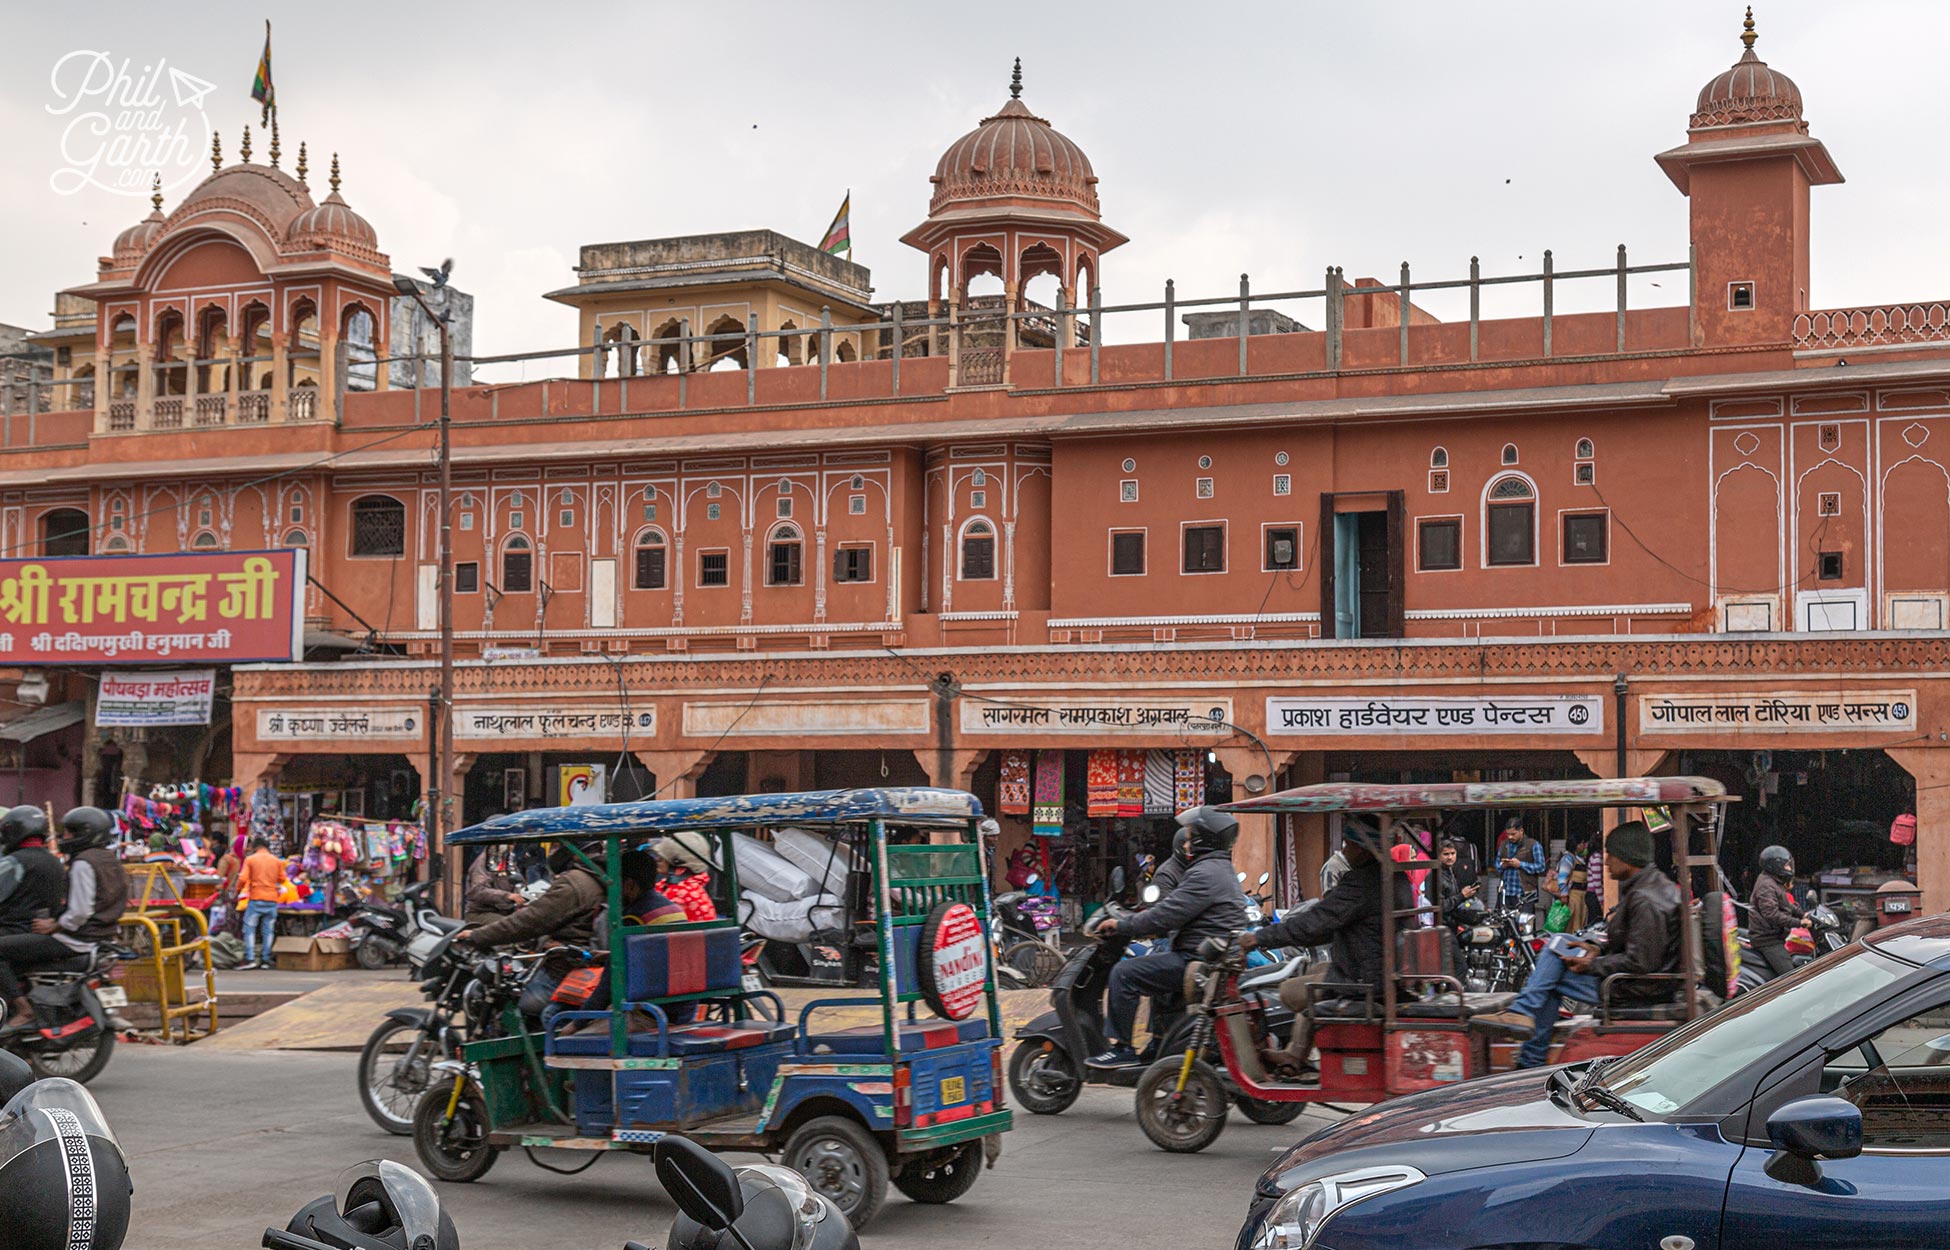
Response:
column 685, row 1039
column 909, row 1035
column 690, row 961
column 1447, row 1008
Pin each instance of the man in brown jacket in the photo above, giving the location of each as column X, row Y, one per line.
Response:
column 565, row 916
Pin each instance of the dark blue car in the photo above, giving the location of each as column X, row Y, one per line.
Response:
column 1811, row 1113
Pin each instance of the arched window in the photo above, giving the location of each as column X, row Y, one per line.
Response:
column 1509, row 453
column 115, row 545
column 978, row 552
column 205, row 541
column 517, row 566
column 782, row 557
column 378, row 526
column 652, row 562
column 1585, row 450
column 1510, row 521
column 296, row 538
column 64, row 532
column 1439, row 458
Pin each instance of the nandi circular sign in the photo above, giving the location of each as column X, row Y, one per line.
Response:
column 954, row 962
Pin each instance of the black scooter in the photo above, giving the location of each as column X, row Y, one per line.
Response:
column 1054, row 1048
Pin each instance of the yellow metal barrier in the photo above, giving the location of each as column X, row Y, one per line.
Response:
column 158, row 975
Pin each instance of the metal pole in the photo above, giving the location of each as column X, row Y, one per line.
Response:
column 1550, row 293
column 751, row 366
column 1245, row 313
column 1096, row 330
column 900, row 346
column 1401, row 305
column 1475, row 302
column 1621, row 297
column 1171, row 310
column 451, row 865
column 825, row 344
column 683, row 358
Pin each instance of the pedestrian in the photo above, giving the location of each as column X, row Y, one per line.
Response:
column 229, row 865
column 1520, row 857
column 257, row 889
column 1571, row 882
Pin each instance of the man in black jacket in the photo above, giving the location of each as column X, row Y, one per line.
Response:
column 97, row 895
column 32, row 882
column 1641, row 937
column 1774, row 912
column 1206, row 902
column 1347, row 919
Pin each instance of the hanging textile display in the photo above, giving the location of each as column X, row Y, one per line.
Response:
column 1130, row 783
column 1188, row 778
column 1013, row 792
column 1046, row 816
column 1160, row 798
column 1100, row 781
column 266, row 819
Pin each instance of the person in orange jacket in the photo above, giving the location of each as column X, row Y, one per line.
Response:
column 258, row 883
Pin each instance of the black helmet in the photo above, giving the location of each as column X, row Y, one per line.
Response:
column 1209, row 828
column 1775, row 861
column 19, row 824
column 63, row 1182
column 379, row 1205
column 85, row 827
column 780, row 1209
column 1181, row 843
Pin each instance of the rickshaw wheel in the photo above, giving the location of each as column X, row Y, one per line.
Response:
column 941, row 1178
column 842, row 1161
column 1042, row 1080
column 1269, row 1112
column 1181, row 1123
column 457, row 1149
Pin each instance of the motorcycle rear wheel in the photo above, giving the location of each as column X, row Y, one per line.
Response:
column 1187, row 1122
column 81, row 1063
column 374, row 953
column 389, row 1096
column 1044, row 1082
column 1269, row 1112
column 457, row 1149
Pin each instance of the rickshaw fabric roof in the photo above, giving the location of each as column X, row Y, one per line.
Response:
column 1347, row 796
column 904, row 805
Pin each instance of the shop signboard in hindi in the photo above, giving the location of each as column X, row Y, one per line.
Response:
column 1084, row 714
column 338, row 723
column 1779, row 711
column 178, row 698
column 1414, row 717
column 229, row 607
column 598, row 724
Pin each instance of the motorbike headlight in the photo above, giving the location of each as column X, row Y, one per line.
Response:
column 1297, row 1217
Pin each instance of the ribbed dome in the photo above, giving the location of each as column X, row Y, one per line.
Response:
column 136, row 239
column 1751, row 91
column 277, row 197
column 1014, row 154
column 333, row 220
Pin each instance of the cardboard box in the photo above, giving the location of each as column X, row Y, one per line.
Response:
column 311, row 954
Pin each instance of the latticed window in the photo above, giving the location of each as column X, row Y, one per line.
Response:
column 651, row 568
column 713, row 568
column 782, row 564
column 517, row 566
column 378, row 526
column 853, row 564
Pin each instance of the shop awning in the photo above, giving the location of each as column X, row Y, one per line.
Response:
column 43, row 721
column 327, row 640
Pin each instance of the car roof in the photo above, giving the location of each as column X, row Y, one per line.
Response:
column 1925, row 940
column 1345, row 796
column 909, row 806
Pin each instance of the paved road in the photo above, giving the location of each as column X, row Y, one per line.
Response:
column 222, row 1143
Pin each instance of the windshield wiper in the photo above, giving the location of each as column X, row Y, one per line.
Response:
column 1589, row 1086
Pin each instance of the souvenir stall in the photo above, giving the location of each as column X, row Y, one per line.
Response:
column 354, row 858
column 184, row 826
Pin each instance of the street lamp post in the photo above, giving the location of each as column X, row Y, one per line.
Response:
column 441, row 732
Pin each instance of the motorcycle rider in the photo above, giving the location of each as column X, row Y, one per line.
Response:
column 493, row 886
column 1347, row 919
column 565, row 916
column 31, row 880
column 1172, row 871
column 1205, row 902
column 1774, row 910
column 97, row 894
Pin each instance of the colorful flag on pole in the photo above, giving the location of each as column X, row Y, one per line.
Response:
column 839, row 235
column 261, row 90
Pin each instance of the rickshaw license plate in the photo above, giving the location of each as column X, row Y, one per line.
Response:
column 752, row 985
column 954, row 1089
column 112, row 996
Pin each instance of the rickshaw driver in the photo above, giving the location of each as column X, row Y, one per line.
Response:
column 1205, row 902
column 1348, row 920
column 564, row 916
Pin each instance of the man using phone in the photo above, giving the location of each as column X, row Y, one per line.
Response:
column 1642, row 936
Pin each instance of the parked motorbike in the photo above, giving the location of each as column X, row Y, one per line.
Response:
column 1827, row 930
column 72, row 1034
column 1499, row 949
column 1032, row 934
column 382, row 932
column 396, row 1065
column 830, row 958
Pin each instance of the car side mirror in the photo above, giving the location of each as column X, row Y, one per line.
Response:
column 1117, row 882
column 702, row 1185
column 1152, row 894
column 1807, row 1129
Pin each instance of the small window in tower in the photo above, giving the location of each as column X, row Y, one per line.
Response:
column 467, row 520
column 568, row 518
column 1130, row 465
column 1828, row 503
column 1830, row 437
column 516, row 500
column 856, row 505
column 1438, row 481
column 1585, row 451
column 711, row 512
column 859, row 482
column 514, row 520
column 297, row 512
column 711, row 491
column 649, row 512
column 1204, row 490
column 978, row 499
column 1127, row 491
column 1282, row 483
column 979, row 479
column 467, row 578
column 1439, row 458
column 1585, row 474
column 785, row 507
column 1740, row 296
column 1830, row 568
column 1509, row 453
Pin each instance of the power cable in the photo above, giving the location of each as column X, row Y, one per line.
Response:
column 713, row 748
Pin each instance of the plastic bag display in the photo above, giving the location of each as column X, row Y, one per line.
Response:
column 763, row 871
column 794, row 921
column 820, row 858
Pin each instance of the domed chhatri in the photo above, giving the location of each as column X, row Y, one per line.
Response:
column 137, row 238
column 333, row 220
column 272, row 196
column 1014, row 155
column 1750, row 93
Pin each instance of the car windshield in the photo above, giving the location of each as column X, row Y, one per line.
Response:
column 1671, row 1072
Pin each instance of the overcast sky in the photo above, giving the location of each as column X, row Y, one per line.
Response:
column 1273, row 139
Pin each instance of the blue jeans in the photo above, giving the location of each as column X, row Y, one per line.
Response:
column 1133, row 980
column 260, row 925
column 1542, row 995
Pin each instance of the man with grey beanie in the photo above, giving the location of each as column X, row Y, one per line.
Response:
column 1641, row 937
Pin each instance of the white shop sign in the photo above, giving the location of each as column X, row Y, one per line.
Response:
column 1085, row 715
column 179, row 698
column 1413, row 717
column 319, row 724
column 605, row 724
column 1780, row 711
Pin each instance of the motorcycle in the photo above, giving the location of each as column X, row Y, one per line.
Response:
column 396, row 1064
column 1499, row 950
column 1825, row 932
column 72, row 1034
column 382, row 932
column 1031, row 936
column 761, row 1206
column 1049, row 1066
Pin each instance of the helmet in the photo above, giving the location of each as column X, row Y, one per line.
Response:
column 781, row 1209
column 1181, row 843
column 1209, row 829
column 1776, row 862
column 63, row 1182
column 85, row 827
column 378, row 1205
column 1363, row 834
column 19, row 824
